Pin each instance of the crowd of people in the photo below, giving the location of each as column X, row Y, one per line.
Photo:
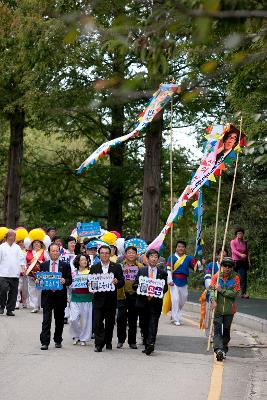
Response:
column 93, row 314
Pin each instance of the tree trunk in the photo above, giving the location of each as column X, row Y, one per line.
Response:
column 13, row 181
column 115, row 190
column 151, row 189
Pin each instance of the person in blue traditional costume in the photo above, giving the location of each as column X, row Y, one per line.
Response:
column 178, row 267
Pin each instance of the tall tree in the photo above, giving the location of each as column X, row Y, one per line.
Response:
column 33, row 56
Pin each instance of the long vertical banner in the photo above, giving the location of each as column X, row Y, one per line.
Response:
column 198, row 211
column 221, row 140
column 160, row 98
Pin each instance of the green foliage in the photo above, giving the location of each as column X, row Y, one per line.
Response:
column 68, row 64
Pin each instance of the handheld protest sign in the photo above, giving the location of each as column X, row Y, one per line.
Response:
column 101, row 283
column 130, row 272
column 150, row 287
column 79, row 281
column 49, row 280
column 87, row 229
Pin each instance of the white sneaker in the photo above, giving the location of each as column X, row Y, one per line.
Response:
column 75, row 341
column 177, row 323
column 34, row 311
column 83, row 343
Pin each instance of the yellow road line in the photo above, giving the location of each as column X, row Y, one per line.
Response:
column 217, row 372
column 216, row 380
column 190, row 321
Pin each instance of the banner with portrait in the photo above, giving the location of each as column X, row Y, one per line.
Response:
column 150, row 287
column 101, row 282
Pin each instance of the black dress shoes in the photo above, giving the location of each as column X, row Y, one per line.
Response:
column 149, row 349
column 109, row 346
column 133, row 346
column 44, row 347
column 2, row 310
column 98, row 349
column 119, row 345
column 10, row 314
column 58, row 345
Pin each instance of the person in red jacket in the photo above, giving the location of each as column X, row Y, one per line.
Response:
column 36, row 254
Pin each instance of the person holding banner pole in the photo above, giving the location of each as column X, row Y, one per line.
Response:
column 149, row 308
column 105, row 302
column 81, row 303
column 226, row 283
column 54, row 299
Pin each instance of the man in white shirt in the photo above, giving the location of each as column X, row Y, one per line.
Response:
column 105, row 303
column 10, row 260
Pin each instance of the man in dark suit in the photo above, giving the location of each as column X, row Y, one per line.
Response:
column 105, row 303
column 149, row 308
column 54, row 299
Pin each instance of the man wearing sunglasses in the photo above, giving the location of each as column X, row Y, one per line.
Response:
column 227, row 288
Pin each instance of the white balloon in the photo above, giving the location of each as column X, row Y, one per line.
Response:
column 27, row 243
column 47, row 241
column 120, row 246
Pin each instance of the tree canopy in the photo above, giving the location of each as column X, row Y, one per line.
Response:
column 74, row 74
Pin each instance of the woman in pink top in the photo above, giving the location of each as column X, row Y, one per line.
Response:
column 240, row 255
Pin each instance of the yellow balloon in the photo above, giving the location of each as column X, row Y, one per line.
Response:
column 109, row 238
column 3, row 231
column 37, row 234
column 21, row 234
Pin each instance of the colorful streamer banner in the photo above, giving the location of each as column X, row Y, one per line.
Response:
column 198, row 213
column 160, row 98
column 221, row 140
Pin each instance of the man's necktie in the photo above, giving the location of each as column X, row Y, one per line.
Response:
column 53, row 269
column 151, row 276
column 53, row 266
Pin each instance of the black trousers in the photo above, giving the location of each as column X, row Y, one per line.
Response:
column 222, row 327
column 127, row 312
column 104, row 332
column 8, row 293
column 241, row 267
column 149, row 320
column 59, row 311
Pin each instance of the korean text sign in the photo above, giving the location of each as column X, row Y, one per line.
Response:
column 150, row 287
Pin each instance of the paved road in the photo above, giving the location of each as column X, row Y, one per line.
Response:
column 180, row 367
column 256, row 307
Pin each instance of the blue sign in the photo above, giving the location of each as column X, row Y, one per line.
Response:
column 86, row 229
column 49, row 280
column 140, row 245
column 80, row 281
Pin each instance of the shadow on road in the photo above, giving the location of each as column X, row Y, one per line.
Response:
column 196, row 345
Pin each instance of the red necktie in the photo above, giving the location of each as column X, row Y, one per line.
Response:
column 151, row 276
column 53, row 269
column 53, row 266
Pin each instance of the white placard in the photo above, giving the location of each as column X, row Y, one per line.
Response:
column 101, row 282
column 79, row 281
column 150, row 287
